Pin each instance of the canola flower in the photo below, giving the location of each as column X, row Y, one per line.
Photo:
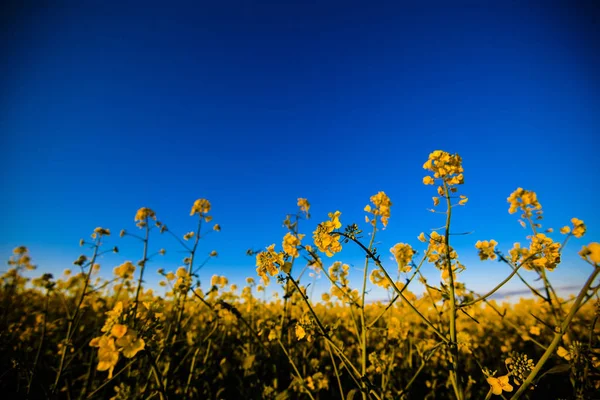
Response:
column 324, row 240
column 212, row 338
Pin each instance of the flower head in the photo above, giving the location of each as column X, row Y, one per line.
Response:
column 142, row 215
column 499, row 384
column 486, row 249
column 403, row 254
column 382, row 207
column 269, row 262
column 304, row 206
column 201, row 206
column 325, row 242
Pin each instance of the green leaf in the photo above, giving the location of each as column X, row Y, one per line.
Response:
column 558, row 369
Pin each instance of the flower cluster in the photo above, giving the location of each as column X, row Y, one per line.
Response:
column 542, row 253
column 382, row 205
column 403, row 254
column 304, row 206
column 486, row 249
column 545, row 252
column 183, row 282
column 125, row 270
column 437, row 250
column 325, row 242
column 202, row 208
column 142, row 216
column 591, row 253
column 519, row 366
column 120, row 340
column 291, row 243
column 445, row 166
column 268, row 263
column 525, row 200
column 378, row 278
column 579, row 228
column 99, row 232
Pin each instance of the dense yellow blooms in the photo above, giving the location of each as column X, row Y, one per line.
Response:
column 304, row 206
column 486, row 249
column 142, row 216
column 125, row 270
column 403, row 254
column 325, row 242
column 526, row 201
column 378, row 278
column 579, row 227
column 382, row 207
column 543, row 253
column 99, row 232
column 291, row 243
column 591, row 252
column 445, row 166
column 369, row 343
column 268, row 263
column 201, row 207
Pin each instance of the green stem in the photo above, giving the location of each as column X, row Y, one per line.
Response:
column 453, row 345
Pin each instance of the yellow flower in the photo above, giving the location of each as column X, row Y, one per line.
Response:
column 304, row 206
column 329, row 244
column 499, row 384
column 21, row 250
column 382, row 207
column 563, row 353
column 421, row 237
column 142, row 215
column 125, row 270
column 436, row 201
column 403, row 254
column 525, row 200
column 201, row 206
column 486, row 249
column 188, row 235
column 291, row 243
column 267, row 262
column 101, row 232
column 463, row 200
column 272, row 335
column 591, row 252
column 300, row 332
column 118, row 331
column 130, row 344
column 378, row 278
column 579, row 227
column 217, row 228
column 446, row 166
column 108, row 355
column 565, row 229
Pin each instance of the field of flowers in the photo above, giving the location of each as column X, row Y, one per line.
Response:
column 82, row 337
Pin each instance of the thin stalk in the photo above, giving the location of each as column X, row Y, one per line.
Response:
column 142, row 269
column 363, row 319
column 295, row 369
column 72, row 321
column 335, row 370
column 453, row 345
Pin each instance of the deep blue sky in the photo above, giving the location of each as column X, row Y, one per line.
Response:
column 105, row 109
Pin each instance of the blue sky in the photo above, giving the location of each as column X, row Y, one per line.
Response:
column 106, row 109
